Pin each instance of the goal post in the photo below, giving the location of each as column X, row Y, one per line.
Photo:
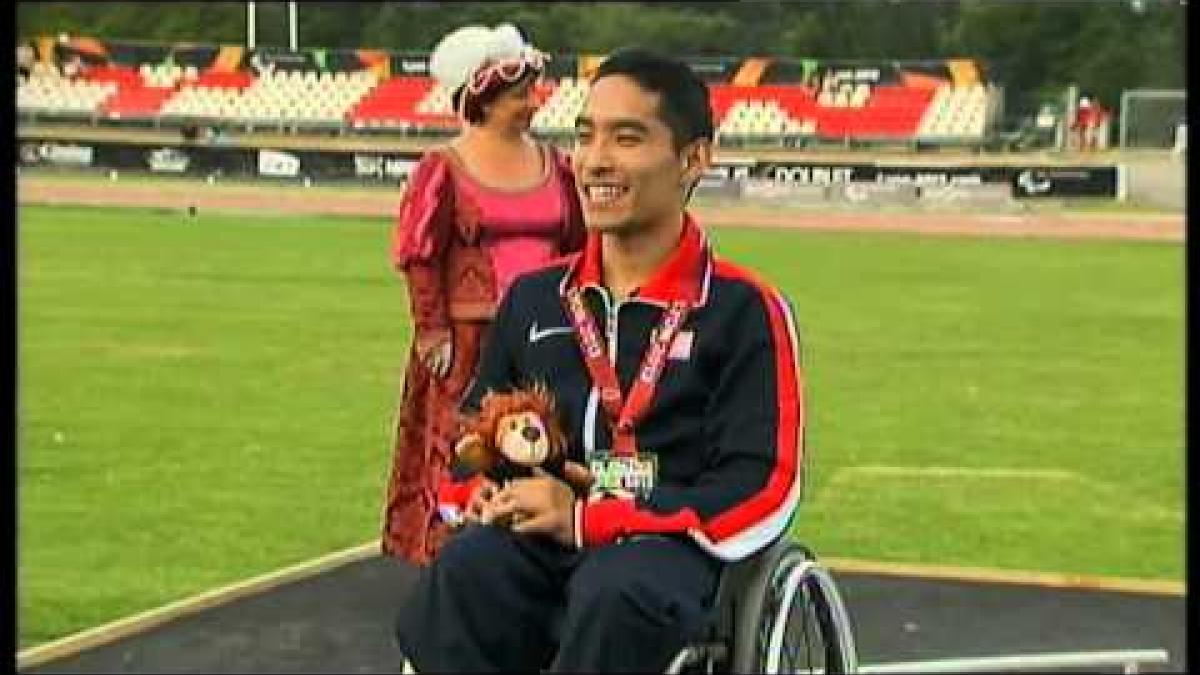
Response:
column 1151, row 118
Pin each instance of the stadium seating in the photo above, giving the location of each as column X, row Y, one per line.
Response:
column 136, row 101
column 758, row 118
column 436, row 101
column 119, row 75
column 211, row 93
column 561, row 106
column 913, row 107
column 161, row 76
column 207, row 101
column 413, row 102
column 290, row 97
column 394, row 103
column 224, row 80
column 114, row 91
column 956, row 113
column 889, row 112
column 47, row 90
column 843, row 112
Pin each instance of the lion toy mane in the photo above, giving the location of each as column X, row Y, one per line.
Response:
column 513, row 433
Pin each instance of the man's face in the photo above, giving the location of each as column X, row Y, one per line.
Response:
column 627, row 171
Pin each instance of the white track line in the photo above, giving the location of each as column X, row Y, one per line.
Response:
column 115, row 630
column 1083, row 582
column 1025, row 662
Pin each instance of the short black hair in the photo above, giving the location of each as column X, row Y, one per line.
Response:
column 683, row 96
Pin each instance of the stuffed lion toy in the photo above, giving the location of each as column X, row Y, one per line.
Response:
column 513, row 433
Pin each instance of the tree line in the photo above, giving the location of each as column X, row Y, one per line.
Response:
column 1034, row 49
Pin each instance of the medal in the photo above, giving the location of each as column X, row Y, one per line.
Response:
column 623, row 475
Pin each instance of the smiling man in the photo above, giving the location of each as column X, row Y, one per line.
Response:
column 677, row 380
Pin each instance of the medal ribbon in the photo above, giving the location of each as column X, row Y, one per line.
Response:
column 623, row 415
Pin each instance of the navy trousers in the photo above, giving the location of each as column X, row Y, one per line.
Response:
column 493, row 600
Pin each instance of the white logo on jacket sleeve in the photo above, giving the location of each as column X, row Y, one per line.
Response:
column 536, row 335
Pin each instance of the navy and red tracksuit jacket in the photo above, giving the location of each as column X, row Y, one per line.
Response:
column 727, row 417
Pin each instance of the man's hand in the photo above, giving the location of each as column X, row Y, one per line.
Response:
column 579, row 477
column 542, row 504
column 478, row 501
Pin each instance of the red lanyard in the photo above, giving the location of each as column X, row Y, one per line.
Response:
column 622, row 417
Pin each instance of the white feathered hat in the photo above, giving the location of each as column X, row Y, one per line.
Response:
column 465, row 50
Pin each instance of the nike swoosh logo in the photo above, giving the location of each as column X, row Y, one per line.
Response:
column 535, row 334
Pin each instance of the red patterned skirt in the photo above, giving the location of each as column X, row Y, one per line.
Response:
column 425, row 431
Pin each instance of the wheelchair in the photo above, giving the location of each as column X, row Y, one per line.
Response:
column 777, row 611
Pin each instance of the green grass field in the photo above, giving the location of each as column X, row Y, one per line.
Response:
column 203, row 400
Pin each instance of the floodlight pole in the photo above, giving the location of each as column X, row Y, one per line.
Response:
column 292, row 29
column 250, row 25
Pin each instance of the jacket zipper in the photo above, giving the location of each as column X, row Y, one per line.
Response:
column 592, row 414
column 611, row 325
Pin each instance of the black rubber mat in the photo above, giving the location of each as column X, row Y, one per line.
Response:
column 340, row 622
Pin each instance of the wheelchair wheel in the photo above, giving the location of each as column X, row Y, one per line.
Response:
column 803, row 625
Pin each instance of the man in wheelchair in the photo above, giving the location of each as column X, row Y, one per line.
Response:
column 677, row 381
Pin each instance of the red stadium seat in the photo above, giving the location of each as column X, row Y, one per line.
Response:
column 136, row 101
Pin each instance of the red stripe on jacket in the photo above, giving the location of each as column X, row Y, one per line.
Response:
column 789, row 424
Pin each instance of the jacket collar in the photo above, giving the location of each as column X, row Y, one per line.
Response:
column 683, row 276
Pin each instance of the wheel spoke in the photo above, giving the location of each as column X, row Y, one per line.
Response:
column 803, row 627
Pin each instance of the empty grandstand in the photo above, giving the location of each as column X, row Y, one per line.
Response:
column 755, row 100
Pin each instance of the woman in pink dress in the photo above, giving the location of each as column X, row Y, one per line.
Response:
column 488, row 206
